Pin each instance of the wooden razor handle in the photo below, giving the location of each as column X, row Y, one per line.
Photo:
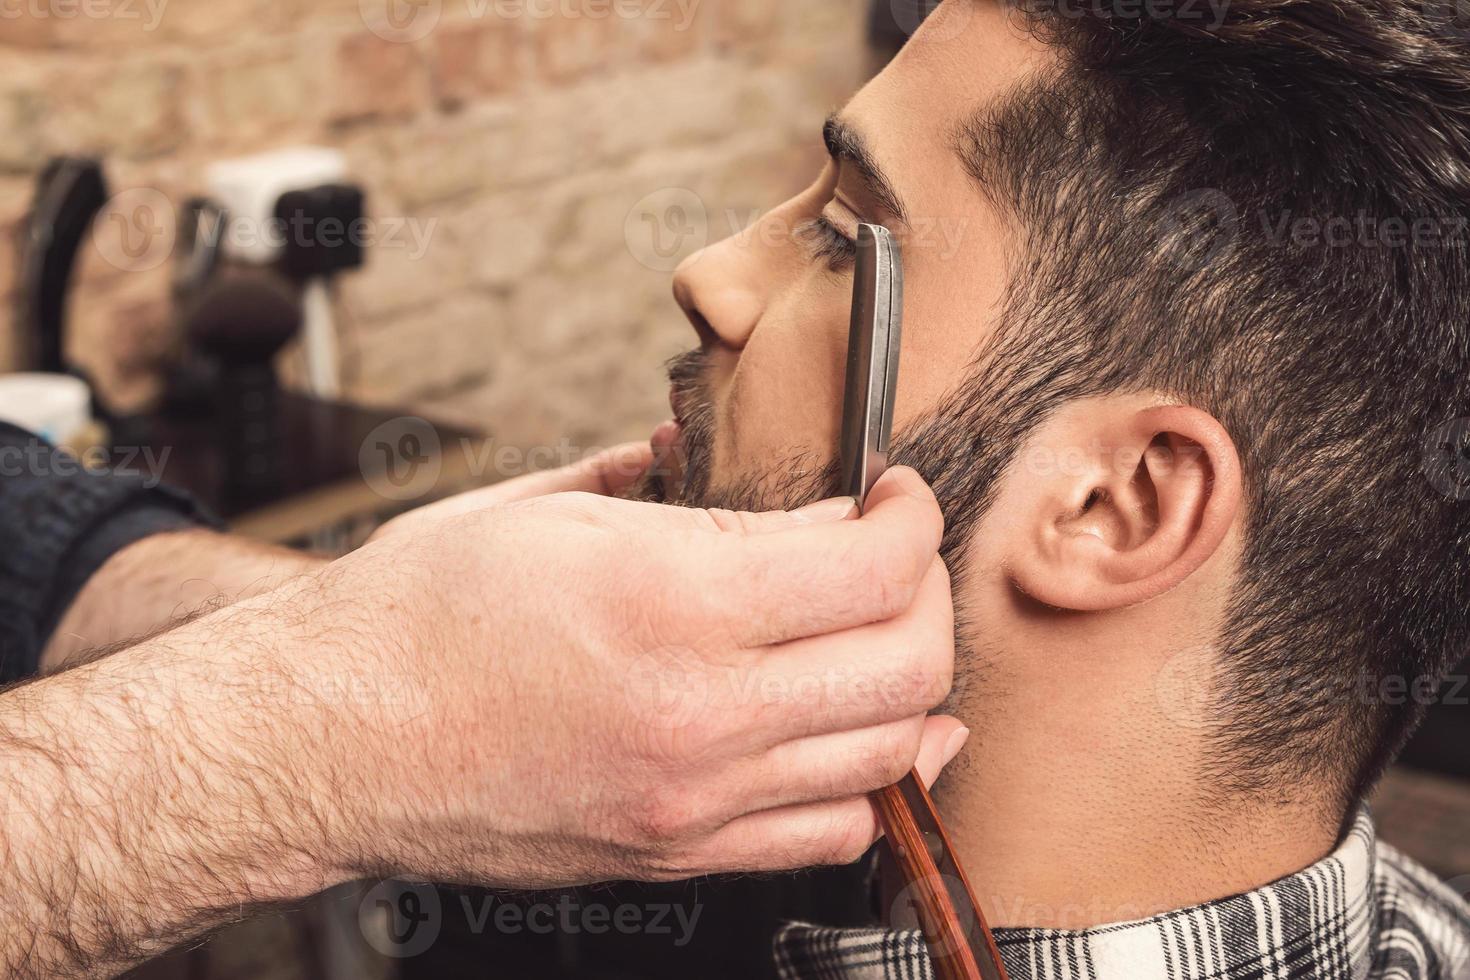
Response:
column 948, row 931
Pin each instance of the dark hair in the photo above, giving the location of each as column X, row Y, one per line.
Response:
column 1263, row 214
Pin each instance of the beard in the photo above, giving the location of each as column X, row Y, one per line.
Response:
column 687, row 479
column 962, row 446
column 947, row 445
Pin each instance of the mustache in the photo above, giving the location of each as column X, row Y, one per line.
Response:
column 688, row 376
column 784, row 482
column 687, row 372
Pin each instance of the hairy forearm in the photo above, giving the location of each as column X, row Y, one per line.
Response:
column 154, row 795
column 161, row 579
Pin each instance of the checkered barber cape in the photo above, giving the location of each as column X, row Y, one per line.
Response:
column 1365, row 912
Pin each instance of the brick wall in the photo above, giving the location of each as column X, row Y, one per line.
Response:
column 509, row 141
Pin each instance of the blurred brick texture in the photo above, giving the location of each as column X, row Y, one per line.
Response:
column 516, row 136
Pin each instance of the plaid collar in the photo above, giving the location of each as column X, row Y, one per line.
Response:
column 1365, row 912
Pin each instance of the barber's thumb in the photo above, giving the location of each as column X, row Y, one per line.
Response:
column 826, row 511
column 944, row 739
column 902, row 508
column 899, row 481
column 901, row 494
column 607, row 473
column 833, row 511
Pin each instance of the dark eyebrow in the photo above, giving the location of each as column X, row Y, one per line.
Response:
column 846, row 145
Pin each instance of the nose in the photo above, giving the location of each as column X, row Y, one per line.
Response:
column 723, row 290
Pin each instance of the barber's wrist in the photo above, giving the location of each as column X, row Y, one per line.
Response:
column 153, row 800
column 333, row 679
column 161, row 579
column 226, row 780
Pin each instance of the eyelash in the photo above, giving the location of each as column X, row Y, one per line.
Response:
column 828, row 243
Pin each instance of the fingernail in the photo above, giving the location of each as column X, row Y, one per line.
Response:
column 826, row 511
column 909, row 480
column 956, row 742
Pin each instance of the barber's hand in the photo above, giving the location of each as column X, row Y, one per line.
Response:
column 588, row 688
column 607, row 473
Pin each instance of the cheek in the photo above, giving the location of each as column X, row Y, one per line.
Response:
column 949, row 310
column 785, row 396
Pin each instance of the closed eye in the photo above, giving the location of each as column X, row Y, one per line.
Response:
column 826, row 243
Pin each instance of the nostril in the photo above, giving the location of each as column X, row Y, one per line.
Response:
column 702, row 326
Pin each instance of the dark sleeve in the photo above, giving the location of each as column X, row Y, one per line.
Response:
column 59, row 523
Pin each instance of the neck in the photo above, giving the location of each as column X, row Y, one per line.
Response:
column 1068, row 814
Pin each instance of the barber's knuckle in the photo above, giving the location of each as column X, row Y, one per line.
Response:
column 848, row 840
column 944, row 656
column 733, row 522
column 893, row 757
column 656, row 620
column 664, row 813
column 925, row 674
column 892, row 581
column 939, row 684
column 667, row 860
column 641, row 594
column 671, row 746
column 638, row 567
column 668, row 870
column 725, row 520
column 581, row 507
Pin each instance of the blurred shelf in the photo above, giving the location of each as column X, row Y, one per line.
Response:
column 1427, row 816
column 320, row 487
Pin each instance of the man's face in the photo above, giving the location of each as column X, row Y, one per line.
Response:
column 758, row 406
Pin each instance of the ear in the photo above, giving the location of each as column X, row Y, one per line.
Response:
column 1135, row 499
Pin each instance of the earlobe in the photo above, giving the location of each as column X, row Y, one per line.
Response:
column 1155, row 494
